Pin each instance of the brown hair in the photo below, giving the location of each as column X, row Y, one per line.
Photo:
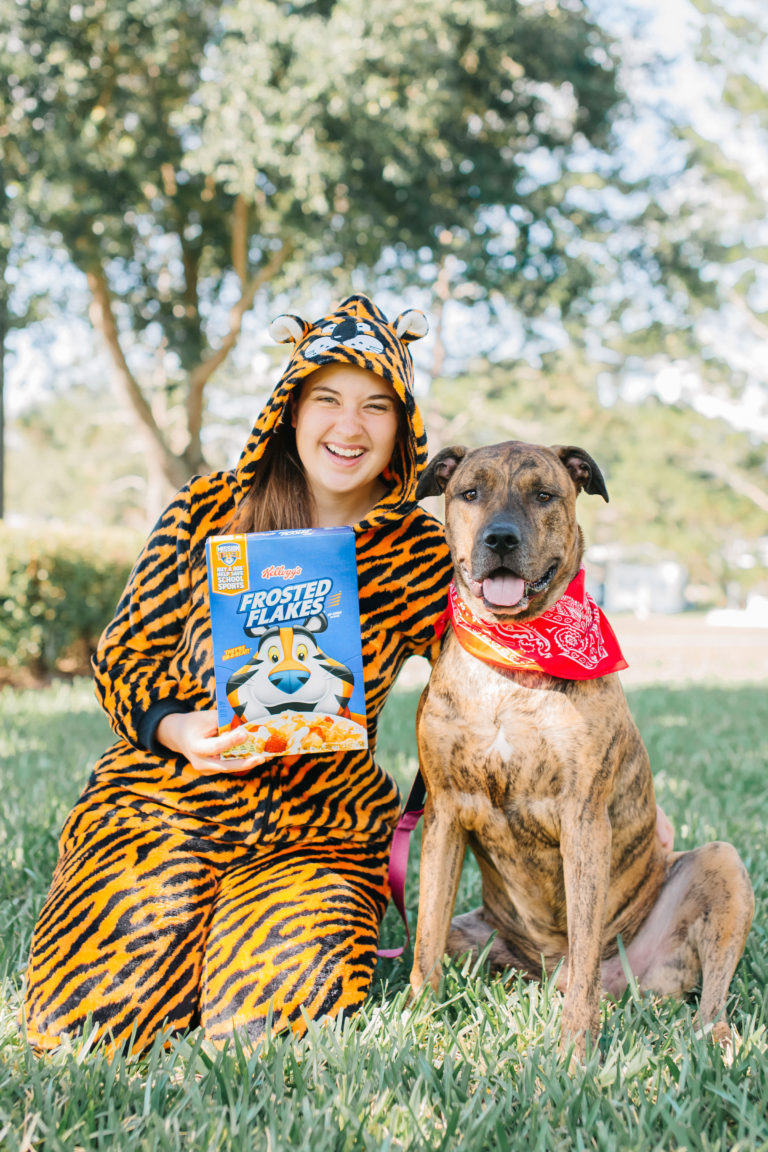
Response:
column 279, row 496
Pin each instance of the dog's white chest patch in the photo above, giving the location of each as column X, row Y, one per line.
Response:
column 500, row 746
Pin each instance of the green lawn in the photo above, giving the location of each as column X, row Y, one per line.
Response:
column 477, row 1070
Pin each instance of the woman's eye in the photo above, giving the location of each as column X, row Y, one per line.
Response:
column 469, row 495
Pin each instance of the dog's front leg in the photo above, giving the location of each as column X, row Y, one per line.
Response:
column 585, row 846
column 442, row 855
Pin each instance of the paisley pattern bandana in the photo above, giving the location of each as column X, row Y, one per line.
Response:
column 571, row 640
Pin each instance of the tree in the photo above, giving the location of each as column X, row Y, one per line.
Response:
column 701, row 313
column 4, row 235
column 99, row 169
column 680, row 482
column 446, row 144
column 728, row 157
column 190, row 157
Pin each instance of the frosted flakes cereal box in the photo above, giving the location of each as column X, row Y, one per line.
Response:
column 287, row 652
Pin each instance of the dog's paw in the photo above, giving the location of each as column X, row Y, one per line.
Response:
column 578, row 1036
column 724, row 1036
column 572, row 1048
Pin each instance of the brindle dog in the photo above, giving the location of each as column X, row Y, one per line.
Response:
column 548, row 781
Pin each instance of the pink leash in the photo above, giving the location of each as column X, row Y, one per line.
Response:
column 398, row 857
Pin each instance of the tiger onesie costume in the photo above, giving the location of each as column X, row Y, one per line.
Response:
column 182, row 898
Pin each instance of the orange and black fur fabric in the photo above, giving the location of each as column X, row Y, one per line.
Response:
column 229, row 900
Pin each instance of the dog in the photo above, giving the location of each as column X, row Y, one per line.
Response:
column 546, row 778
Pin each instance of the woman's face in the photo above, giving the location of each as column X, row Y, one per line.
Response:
column 346, row 422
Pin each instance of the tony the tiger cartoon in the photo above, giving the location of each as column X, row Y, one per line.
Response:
column 290, row 670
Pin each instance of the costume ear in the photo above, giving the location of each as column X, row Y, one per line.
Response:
column 583, row 469
column 435, row 477
column 411, row 325
column 288, row 329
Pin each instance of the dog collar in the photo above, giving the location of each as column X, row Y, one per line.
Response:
column 572, row 640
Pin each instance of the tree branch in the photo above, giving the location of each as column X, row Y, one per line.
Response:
column 103, row 319
column 200, row 375
column 736, row 482
column 240, row 239
column 754, row 323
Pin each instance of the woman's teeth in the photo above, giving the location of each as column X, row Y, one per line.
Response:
column 338, row 451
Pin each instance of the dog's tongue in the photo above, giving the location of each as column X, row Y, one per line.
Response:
column 504, row 590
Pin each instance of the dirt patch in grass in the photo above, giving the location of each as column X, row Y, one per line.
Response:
column 685, row 649
column 680, row 649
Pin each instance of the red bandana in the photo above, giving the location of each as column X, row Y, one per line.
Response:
column 571, row 640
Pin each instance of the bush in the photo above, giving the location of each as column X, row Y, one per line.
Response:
column 58, row 589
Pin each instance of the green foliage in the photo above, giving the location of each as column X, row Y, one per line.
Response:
column 683, row 483
column 91, row 89
column 60, row 589
column 415, row 127
column 710, row 213
column 95, row 165
column 56, row 449
column 189, row 157
column 477, row 1069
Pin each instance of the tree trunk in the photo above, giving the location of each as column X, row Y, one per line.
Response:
column 103, row 319
column 3, row 329
column 177, row 467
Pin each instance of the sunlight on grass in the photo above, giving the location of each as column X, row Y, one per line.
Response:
column 476, row 1068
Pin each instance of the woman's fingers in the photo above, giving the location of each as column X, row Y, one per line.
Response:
column 195, row 736
column 226, row 741
column 235, row 765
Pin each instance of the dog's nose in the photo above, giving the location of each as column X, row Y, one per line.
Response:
column 501, row 536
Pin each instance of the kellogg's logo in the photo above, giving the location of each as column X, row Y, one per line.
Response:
column 276, row 570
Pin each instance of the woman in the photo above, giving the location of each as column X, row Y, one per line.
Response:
column 186, row 892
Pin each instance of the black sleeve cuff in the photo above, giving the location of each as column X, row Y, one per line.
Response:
column 147, row 725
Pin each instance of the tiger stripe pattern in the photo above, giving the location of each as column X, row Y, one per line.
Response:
column 182, row 898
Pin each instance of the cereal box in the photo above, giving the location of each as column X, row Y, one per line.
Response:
column 285, row 620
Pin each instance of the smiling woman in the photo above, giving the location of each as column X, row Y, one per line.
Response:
column 346, row 423
column 191, row 890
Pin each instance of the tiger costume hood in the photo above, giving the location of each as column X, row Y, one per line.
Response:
column 357, row 332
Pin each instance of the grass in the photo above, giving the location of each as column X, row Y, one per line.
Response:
column 477, row 1070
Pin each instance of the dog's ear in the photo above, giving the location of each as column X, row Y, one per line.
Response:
column 434, row 479
column 584, row 471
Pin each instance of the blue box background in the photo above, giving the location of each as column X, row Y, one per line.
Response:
column 319, row 552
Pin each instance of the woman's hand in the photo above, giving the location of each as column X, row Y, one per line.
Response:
column 664, row 829
column 195, row 736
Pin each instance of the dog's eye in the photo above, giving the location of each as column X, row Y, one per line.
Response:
column 544, row 497
column 469, row 495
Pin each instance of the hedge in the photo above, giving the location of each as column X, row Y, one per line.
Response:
column 58, row 589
